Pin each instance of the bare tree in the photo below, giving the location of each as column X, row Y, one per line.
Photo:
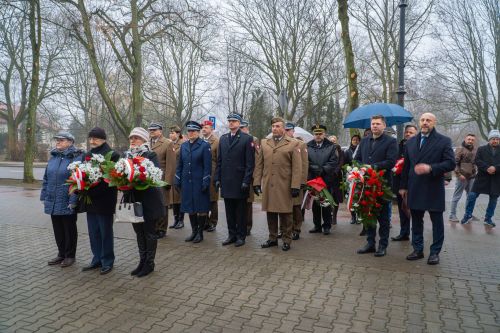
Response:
column 470, row 54
column 296, row 41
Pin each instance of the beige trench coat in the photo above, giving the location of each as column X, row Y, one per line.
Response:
column 214, row 146
column 278, row 170
column 175, row 197
column 164, row 149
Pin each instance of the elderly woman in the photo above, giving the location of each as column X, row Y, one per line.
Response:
column 153, row 204
column 57, row 200
column 192, row 179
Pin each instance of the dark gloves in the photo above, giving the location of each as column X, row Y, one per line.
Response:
column 217, row 186
column 204, row 188
column 257, row 190
column 295, row 192
column 244, row 188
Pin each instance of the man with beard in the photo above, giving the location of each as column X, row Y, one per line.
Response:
column 465, row 171
column 404, row 213
column 100, row 210
column 208, row 136
column 428, row 157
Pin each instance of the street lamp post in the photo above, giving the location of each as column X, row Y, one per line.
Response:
column 401, row 79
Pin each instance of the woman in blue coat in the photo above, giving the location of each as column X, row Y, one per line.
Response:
column 192, row 179
column 58, row 203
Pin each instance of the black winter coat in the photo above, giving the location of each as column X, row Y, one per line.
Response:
column 397, row 178
column 323, row 162
column 382, row 155
column 152, row 199
column 103, row 197
column 235, row 165
column 486, row 183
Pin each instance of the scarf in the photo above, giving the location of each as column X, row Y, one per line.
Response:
column 138, row 151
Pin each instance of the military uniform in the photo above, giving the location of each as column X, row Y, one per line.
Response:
column 164, row 149
column 175, row 197
column 214, row 194
column 298, row 216
column 251, row 196
column 278, row 171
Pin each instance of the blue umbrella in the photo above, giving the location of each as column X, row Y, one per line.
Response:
column 393, row 113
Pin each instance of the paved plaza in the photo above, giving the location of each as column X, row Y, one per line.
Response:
column 320, row 285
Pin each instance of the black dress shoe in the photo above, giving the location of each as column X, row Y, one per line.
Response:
column 91, row 267
column 326, row 232
column 295, row 236
column 433, row 259
column 415, row 255
column 239, row 242
column 367, row 249
column 363, row 232
column 399, row 238
column 315, row 231
column 269, row 243
column 67, row 262
column 229, row 241
column 179, row 225
column 353, row 221
column 55, row 261
column 106, row 270
column 160, row 234
column 285, row 247
column 211, row 228
column 380, row 252
column 280, row 234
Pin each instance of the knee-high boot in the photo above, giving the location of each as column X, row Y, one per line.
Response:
column 193, row 219
column 335, row 210
column 180, row 221
column 202, row 221
column 149, row 264
column 141, row 244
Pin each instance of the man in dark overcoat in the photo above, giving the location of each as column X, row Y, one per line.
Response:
column 235, row 165
column 487, row 180
column 380, row 151
column 428, row 156
column 192, row 179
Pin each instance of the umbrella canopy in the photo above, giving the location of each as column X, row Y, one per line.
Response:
column 393, row 113
column 299, row 132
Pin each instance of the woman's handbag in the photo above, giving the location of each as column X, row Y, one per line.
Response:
column 129, row 212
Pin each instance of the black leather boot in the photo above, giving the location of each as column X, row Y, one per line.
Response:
column 180, row 221
column 335, row 210
column 193, row 219
column 149, row 263
column 141, row 244
column 202, row 221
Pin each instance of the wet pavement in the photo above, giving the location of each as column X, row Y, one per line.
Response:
column 320, row 285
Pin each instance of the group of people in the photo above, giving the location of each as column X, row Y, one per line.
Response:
column 238, row 166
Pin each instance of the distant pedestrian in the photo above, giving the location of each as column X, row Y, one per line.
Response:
column 100, row 210
column 58, row 203
column 465, row 172
column 488, row 179
column 428, row 157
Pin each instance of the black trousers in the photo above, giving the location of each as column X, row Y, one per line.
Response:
column 66, row 234
column 236, row 216
column 325, row 212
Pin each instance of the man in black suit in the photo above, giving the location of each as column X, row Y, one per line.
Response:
column 233, row 175
column 428, row 156
column 380, row 151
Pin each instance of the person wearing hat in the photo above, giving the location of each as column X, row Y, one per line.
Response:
column 101, row 208
column 153, row 205
column 428, row 156
column 324, row 163
column 207, row 133
column 235, row 165
column 251, row 195
column 164, row 149
column 175, row 197
column 58, row 203
column 192, row 179
column 488, row 179
column 298, row 213
column 278, row 175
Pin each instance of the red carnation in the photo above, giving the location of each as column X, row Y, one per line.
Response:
column 142, row 177
column 136, row 160
column 87, row 158
column 142, row 169
column 381, row 173
column 363, row 203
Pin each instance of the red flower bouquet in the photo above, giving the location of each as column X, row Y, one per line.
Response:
column 134, row 173
column 316, row 191
column 398, row 168
column 367, row 192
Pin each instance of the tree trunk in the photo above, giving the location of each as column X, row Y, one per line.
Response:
column 137, row 66
column 35, row 22
column 12, row 142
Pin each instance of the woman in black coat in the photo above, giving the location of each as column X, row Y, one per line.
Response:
column 152, row 201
